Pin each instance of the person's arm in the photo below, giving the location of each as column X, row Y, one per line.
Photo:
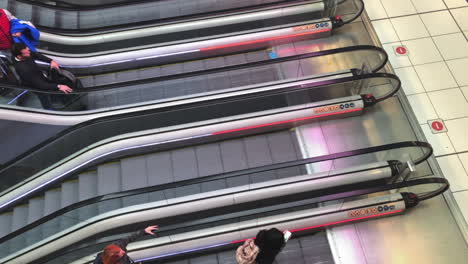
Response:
column 122, row 243
column 40, row 56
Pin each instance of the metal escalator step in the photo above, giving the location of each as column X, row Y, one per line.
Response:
column 109, row 178
column 5, row 223
column 160, row 168
column 87, row 185
column 134, row 173
column 209, row 159
column 189, row 169
column 35, row 209
column 69, row 193
column 19, row 219
column 52, row 200
column 233, row 155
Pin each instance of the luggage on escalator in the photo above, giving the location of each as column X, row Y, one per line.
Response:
column 62, row 76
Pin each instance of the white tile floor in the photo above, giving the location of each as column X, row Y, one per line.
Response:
column 410, row 81
column 434, row 74
column 461, row 16
column 439, row 23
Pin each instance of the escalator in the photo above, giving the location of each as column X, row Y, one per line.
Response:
column 356, row 131
column 74, row 19
column 79, row 218
column 195, row 39
column 195, row 80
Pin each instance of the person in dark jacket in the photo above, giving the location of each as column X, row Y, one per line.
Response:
column 116, row 253
column 264, row 248
column 31, row 75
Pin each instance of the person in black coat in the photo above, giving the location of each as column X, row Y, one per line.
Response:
column 116, row 253
column 31, row 75
column 264, row 248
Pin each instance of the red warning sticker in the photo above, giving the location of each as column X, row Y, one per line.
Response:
column 400, row 50
column 437, row 126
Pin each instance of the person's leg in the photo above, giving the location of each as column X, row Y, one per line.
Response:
column 22, row 98
column 45, row 101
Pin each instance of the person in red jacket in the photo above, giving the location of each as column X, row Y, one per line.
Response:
column 6, row 39
column 116, row 253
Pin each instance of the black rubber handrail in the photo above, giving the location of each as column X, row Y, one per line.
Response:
column 358, row 14
column 407, row 144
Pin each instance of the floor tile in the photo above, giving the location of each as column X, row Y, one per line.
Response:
column 409, row 80
column 398, row 7
column 449, row 104
column 458, row 69
column 456, row 3
column 428, row 5
column 385, row 31
column 452, row 46
column 435, row 76
column 461, row 16
column 440, row 141
column 422, row 107
column 464, row 90
column 457, row 133
column 396, row 61
column 422, row 51
column 454, row 172
column 464, row 160
column 462, row 201
column 375, row 9
column 438, row 23
column 409, row 27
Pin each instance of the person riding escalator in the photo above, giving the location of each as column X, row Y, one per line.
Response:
column 31, row 74
column 116, row 253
